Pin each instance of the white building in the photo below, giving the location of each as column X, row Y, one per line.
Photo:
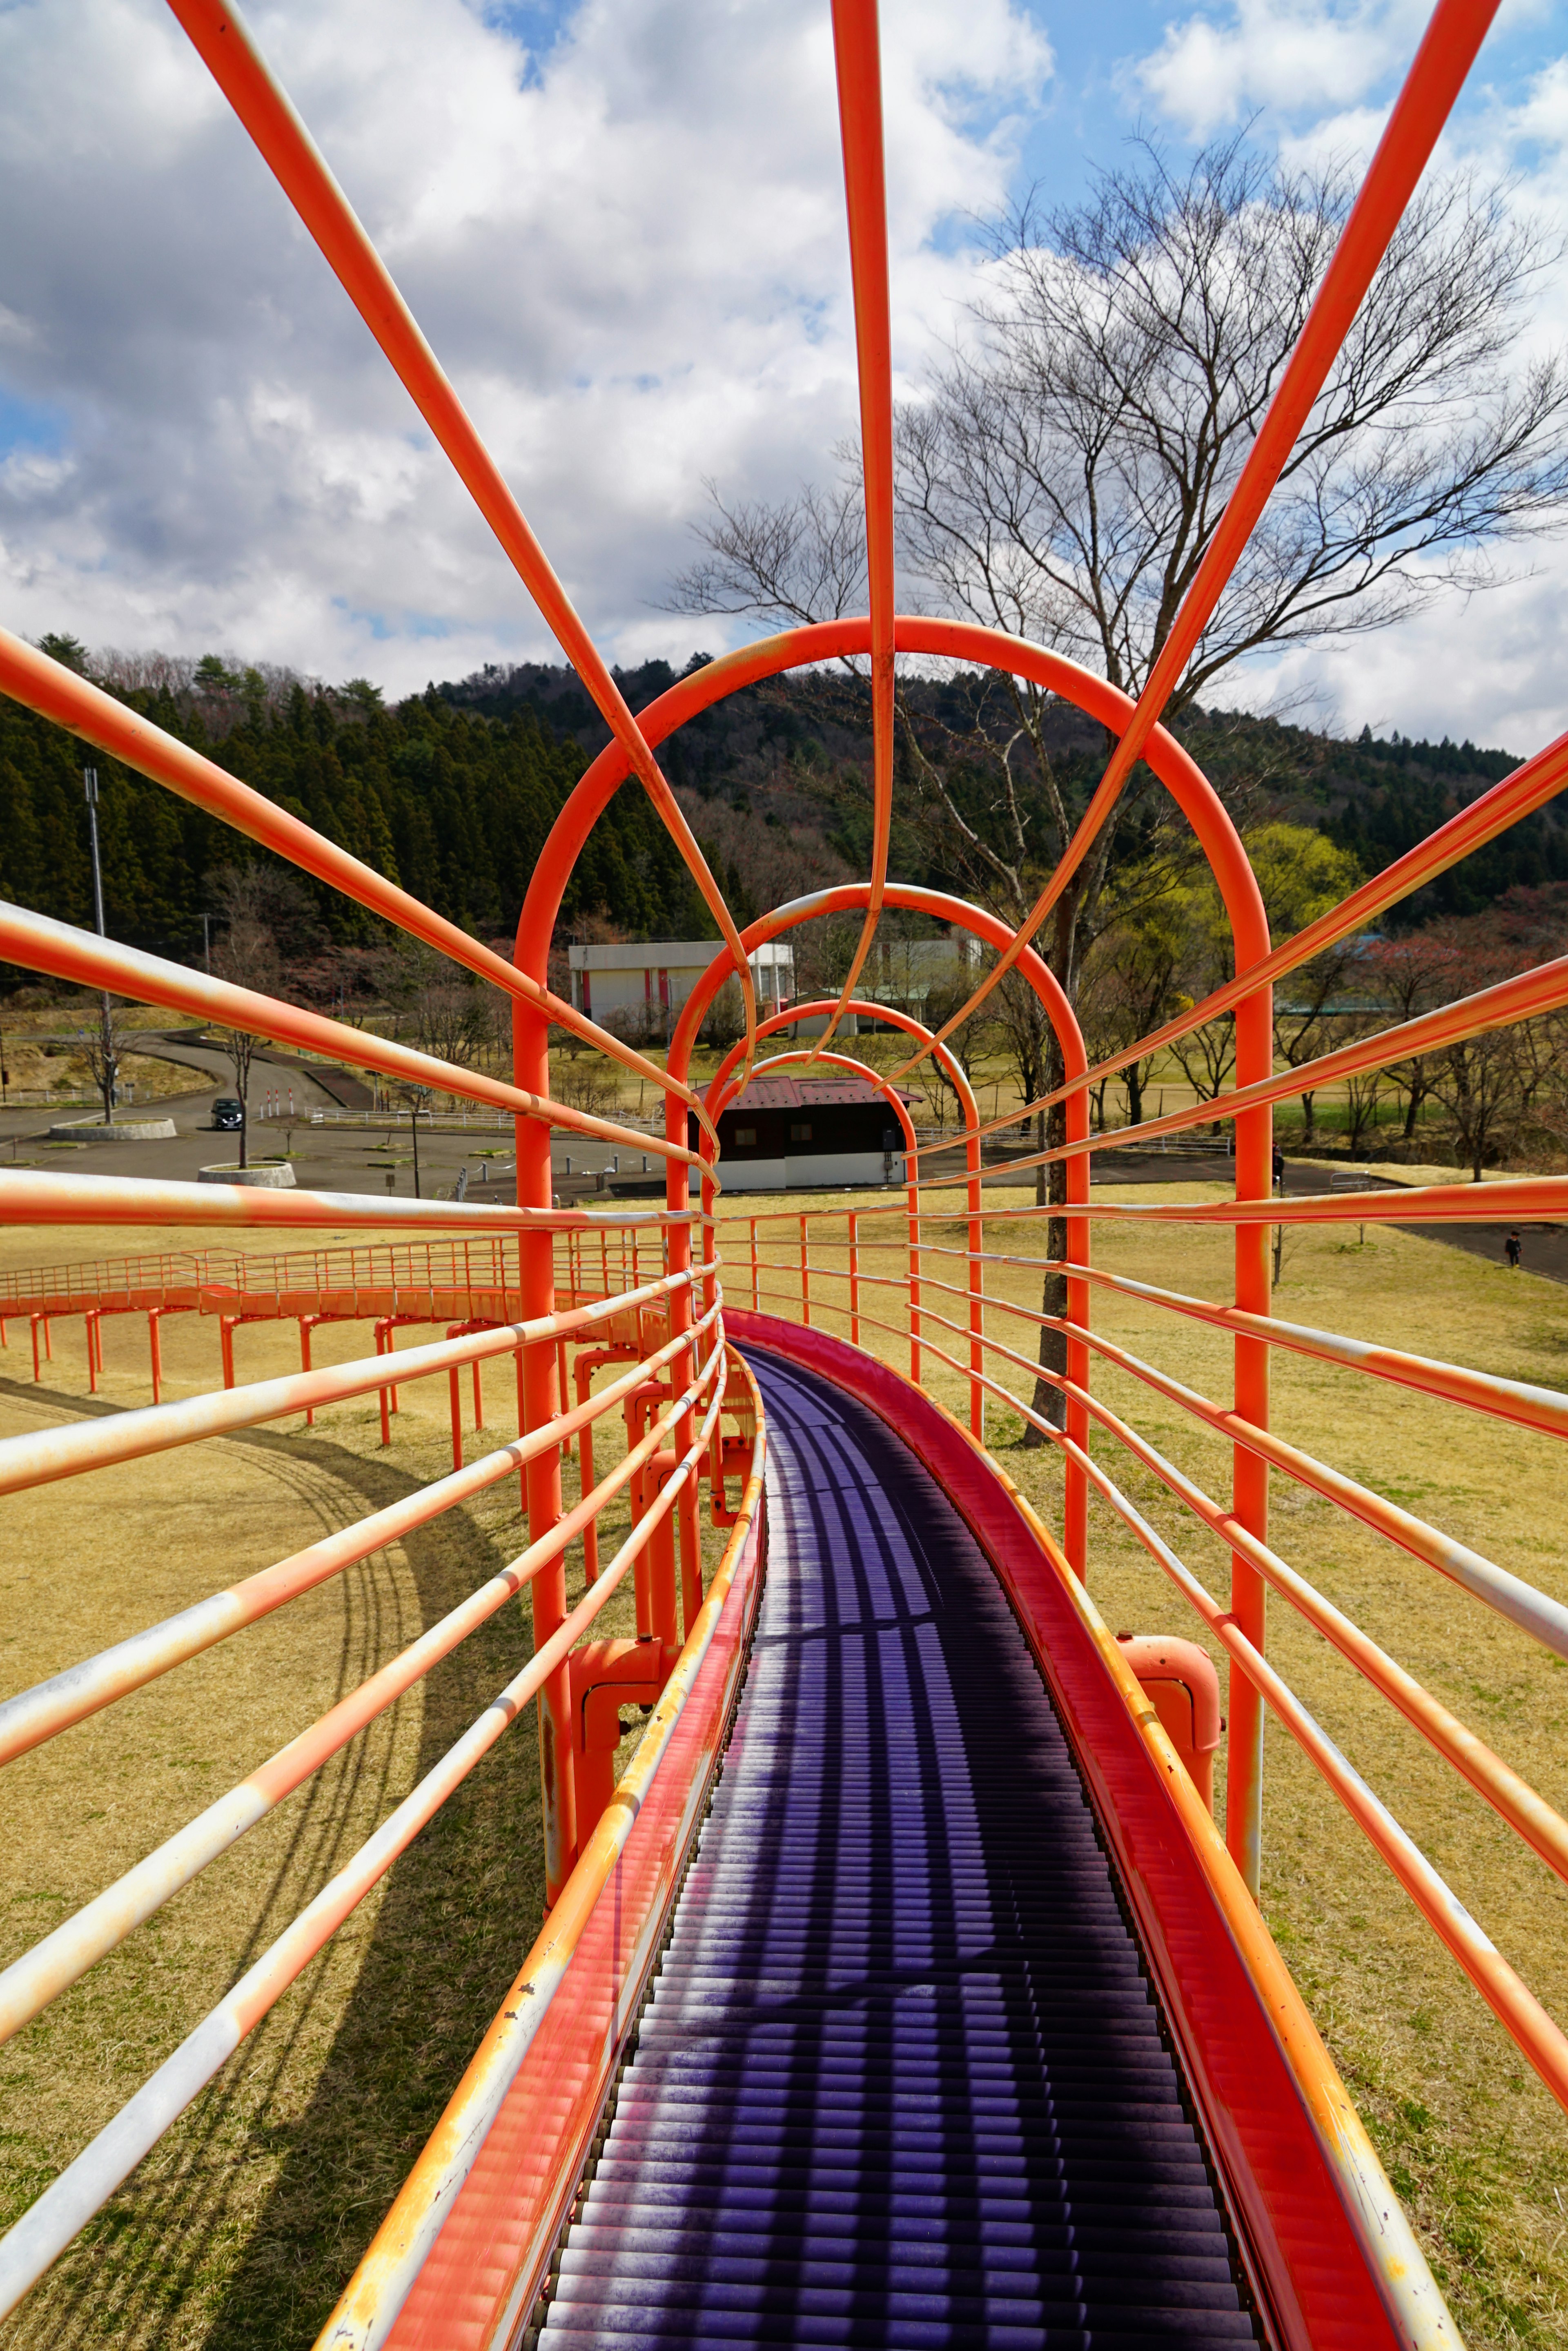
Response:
column 654, row 978
column 650, row 979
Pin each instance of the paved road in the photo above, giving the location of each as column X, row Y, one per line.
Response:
column 337, row 1158
column 327, row 1158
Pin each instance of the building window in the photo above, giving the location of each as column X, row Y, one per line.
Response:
column 745, row 1137
column 800, row 1133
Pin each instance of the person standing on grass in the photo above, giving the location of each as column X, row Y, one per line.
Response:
column 1279, row 1168
column 1513, row 1251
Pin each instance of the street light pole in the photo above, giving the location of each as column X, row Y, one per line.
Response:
column 106, row 1031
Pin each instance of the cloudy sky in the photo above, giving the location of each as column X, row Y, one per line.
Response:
column 621, row 224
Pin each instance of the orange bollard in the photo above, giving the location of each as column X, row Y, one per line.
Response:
column 1183, row 1688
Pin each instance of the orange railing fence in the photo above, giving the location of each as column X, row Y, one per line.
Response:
column 640, row 1295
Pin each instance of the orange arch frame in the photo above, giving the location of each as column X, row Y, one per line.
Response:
column 1238, row 887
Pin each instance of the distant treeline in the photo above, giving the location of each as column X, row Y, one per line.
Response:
column 452, row 793
column 453, row 804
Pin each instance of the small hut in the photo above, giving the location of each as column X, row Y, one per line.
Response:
column 804, row 1134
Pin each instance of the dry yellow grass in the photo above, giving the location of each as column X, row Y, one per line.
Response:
column 238, row 2229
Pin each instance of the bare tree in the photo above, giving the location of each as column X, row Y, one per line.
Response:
column 257, row 905
column 1481, row 1082
column 441, row 1008
column 1067, row 477
column 1477, row 1081
column 1411, row 975
column 1064, row 474
column 1549, row 1072
column 1363, row 1091
column 1129, row 987
column 103, row 1047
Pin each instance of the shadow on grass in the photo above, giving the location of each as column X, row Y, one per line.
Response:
column 242, row 2226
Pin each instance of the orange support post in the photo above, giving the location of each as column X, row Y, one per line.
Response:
column 542, row 1402
column 388, row 1395
column 155, row 1350
column 854, row 1278
column 914, row 1275
column 306, row 1324
column 523, row 1431
column 805, row 1278
column 226, row 1342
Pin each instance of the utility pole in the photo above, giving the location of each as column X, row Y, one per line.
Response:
column 417, row 1097
column 207, row 944
column 90, row 779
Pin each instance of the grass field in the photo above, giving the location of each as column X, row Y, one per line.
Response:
column 241, row 2226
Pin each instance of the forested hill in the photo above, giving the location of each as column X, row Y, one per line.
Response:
column 452, row 793
column 454, row 805
column 1376, row 796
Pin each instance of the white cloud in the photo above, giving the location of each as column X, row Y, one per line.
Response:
column 1488, row 668
column 1321, row 74
column 1302, row 57
column 629, row 252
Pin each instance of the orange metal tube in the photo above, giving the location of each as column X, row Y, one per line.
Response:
column 858, row 63
column 1194, row 795
column 1509, row 1595
column 40, row 1975
column 1206, row 817
column 380, row 2284
column 1404, row 2281
column 1543, row 989
column 813, row 1052
column 894, row 1018
column 1511, row 1796
column 41, row 1455
column 1545, row 1409
column 69, row 1200
column 1436, row 77
column 93, row 962
column 35, row 2240
column 1529, row 788
column 854, row 1278
column 1527, row 2023
column 965, row 641
column 39, row 683
column 1542, row 1197
column 222, row 40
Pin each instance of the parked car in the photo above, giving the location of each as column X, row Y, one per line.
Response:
column 227, row 1113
